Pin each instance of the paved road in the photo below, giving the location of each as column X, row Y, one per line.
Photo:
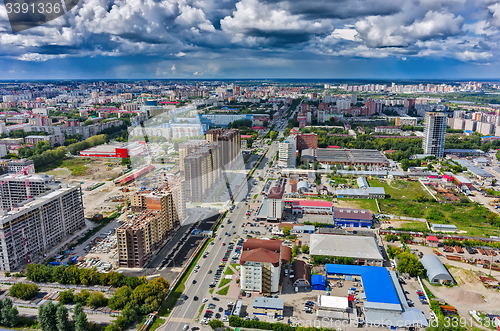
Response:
column 186, row 310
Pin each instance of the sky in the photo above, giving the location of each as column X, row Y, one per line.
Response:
column 243, row 39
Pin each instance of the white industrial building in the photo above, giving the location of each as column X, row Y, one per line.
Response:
column 363, row 250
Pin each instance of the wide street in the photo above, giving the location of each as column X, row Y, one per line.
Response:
column 186, row 310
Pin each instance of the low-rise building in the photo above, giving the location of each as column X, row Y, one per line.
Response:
column 363, row 250
column 269, row 307
column 436, row 271
column 356, row 218
column 310, row 206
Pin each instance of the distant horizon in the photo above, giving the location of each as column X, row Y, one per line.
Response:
column 316, row 80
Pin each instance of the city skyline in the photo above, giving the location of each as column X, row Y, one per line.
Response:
column 258, row 39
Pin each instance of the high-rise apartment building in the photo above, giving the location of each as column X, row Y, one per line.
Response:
column 139, row 238
column 229, row 141
column 201, row 165
column 434, row 127
column 15, row 191
column 38, row 224
column 202, row 162
column 287, row 153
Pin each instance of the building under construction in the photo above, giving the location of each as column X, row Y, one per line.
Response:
column 16, row 189
column 36, row 225
column 139, row 238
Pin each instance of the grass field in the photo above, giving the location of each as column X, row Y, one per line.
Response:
column 400, row 189
column 369, row 204
column 415, row 226
column 77, row 166
column 467, row 217
column 224, row 282
column 223, row 291
column 229, row 271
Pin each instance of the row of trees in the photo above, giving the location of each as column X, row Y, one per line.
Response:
column 238, row 322
column 74, row 275
column 87, row 143
column 56, row 318
column 87, row 298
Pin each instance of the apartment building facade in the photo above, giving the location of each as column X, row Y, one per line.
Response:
column 15, row 191
column 37, row 225
column 201, row 166
column 53, row 139
column 261, row 262
column 139, row 238
column 434, row 127
column 287, row 153
column 229, row 141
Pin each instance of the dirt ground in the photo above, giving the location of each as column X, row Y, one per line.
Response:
column 469, row 294
column 96, row 169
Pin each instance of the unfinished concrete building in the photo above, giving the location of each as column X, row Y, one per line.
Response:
column 139, row 238
column 15, row 191
column 37, row 225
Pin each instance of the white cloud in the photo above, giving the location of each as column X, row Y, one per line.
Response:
column 473, row 56
column 393, row 32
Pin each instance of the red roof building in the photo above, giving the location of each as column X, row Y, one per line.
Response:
column 432, row 241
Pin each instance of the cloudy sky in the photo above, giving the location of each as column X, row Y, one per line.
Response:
column 259, row 39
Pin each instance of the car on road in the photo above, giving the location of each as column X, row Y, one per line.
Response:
column 217, row 316
column 215, row 299
column 186, row 327
column 195, row 298
column 209, row 271
column 195, row 328
column 194, row 281
column 204, row 321
column 205, row 300
column 221, row 309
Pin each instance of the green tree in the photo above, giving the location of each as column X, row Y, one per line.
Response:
column 66, row 297
column 47, row 317
column 286, row 230
column 391, row 237
column 405, row 164
column 409, row 263
column 120, row 298
column 23, row 291
column 80, row 318
column 295, row 250
column 215, row 324
column 8, row 313
column 62, row 318
column 305, row 249
column 96, row 299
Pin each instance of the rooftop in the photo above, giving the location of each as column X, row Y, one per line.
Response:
column 377, row 282
column 263, row 302
column 347, row 213
column 347, row 246
column 351, row 156
column 276, row 193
